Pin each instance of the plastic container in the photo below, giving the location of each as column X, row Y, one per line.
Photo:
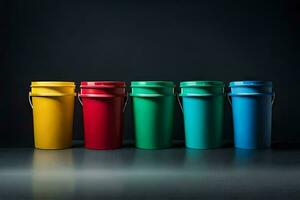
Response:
column 153, row 110
column 103, row 103
column 53, row 107
column 252, row 113
column 203, row 111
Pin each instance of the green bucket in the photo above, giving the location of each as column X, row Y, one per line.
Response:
column 203, row 110
column 153, row 109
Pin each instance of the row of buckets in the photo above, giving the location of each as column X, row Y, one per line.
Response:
column 103, row 104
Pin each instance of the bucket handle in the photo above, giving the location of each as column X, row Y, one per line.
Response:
column 124, row 107
column 179, row 102
column 273, row 98
column 29, row 99
column 125, row 103
column 46, row 95
column 229, row 99
column 205, row 95
column 79, row 99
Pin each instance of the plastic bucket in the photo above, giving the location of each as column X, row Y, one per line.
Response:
column 153, row 109
column 252, row 113
column 53, row 107
column 103, row 103
column 203, row 111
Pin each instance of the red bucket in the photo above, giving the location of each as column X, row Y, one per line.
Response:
column 103, row 104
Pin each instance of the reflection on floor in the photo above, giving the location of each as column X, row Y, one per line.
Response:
column 130, row 173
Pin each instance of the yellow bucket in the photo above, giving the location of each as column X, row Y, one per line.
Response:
column 53, row 108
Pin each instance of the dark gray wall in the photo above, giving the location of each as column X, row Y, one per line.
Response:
column 168, row 40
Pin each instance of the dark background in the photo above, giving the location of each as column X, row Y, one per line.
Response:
column 147, row 40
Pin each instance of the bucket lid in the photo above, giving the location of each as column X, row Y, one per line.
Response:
column 152, row 84
column 52, row 84
column 202, row 84
column 105, row 84
column 250, row 83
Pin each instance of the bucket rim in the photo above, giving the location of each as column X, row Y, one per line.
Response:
column 151, row 95
column 101, row 95
column 250, row 83
column 201, row 95
column 52, row 84
column 135, row 84
column 102, row 84
column 185, row 84
column 251, row 94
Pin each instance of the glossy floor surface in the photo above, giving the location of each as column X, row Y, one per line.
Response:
column 131, row 173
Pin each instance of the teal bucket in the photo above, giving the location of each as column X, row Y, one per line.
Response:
column 203, row 111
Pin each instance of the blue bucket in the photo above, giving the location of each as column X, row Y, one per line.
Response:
column 252, row 113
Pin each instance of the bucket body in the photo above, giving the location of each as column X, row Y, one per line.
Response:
column 203, row 111
column 102, row 104
column 153, row 110
column 53, row 110
column 252, row 113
